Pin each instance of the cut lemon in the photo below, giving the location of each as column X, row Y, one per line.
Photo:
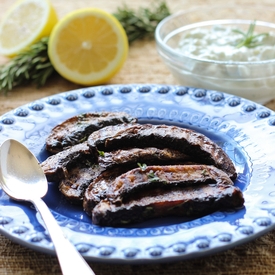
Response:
column 88, row 46
column 26, row 22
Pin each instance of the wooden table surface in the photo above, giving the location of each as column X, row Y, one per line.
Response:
column 142, row 66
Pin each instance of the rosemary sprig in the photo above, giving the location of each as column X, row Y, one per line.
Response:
column 31, row 66
column 249, row 40
column 141, row 24
column 34, row 66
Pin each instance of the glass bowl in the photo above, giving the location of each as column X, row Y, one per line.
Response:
column 251, row 79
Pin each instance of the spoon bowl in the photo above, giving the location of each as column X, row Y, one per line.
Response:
column 22, row 178
column 21, row 168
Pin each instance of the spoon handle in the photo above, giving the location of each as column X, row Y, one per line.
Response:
column 70, row 260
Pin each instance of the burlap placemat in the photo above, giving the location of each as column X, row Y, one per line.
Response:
column 143, row 66
column 254, row 258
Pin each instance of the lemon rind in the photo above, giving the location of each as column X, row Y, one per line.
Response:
column 44, row 28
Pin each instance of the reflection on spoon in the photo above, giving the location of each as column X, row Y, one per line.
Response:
column 22, row 178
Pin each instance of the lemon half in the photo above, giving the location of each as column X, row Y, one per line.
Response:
column 88, row 46
column 26, row 22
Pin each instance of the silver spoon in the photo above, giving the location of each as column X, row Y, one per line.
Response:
column 22, row 178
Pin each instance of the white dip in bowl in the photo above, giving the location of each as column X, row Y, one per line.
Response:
column 205, row 55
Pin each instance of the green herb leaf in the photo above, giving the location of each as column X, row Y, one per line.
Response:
column 249, row 39
column 142, row 166
column 204, row 172
column 101, row 153
column 152, row 176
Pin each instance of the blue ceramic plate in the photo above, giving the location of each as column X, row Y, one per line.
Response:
column 245, row 130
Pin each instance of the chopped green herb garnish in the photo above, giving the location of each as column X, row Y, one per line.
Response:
column 81, row 116
column 101, row 153
column 204, row 172
column 142, row 166
column 88, row 163
column 249, row 40
column 152, row 176
column 83, row 139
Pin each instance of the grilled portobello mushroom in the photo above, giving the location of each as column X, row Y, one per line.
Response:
column 118, row 186
column 76, row 167
column 199, row 147
column 56, row 167
column 148, row 155
column 191, row 201
column 99, row 188
column 77, row 129
column 79, row 178
column 164, row 176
